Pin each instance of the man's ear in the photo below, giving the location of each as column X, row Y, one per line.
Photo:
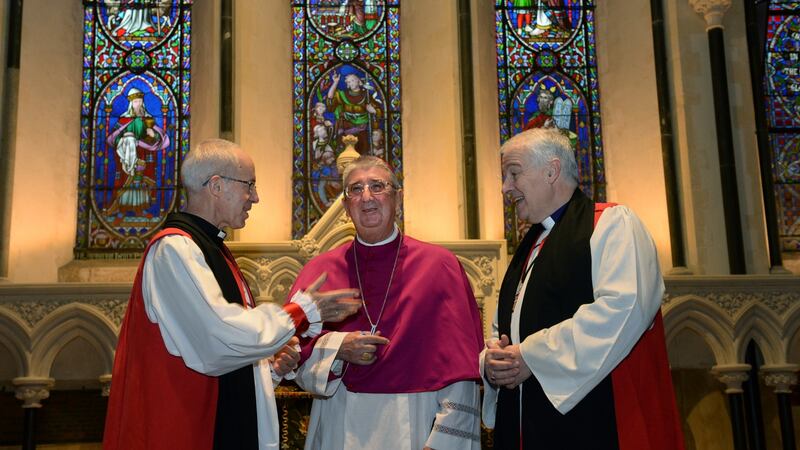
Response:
column 553, row 171
column 344, row 205
column 399, row 204
column 214, row 186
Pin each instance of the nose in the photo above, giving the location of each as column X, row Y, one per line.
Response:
column 254, row 195
column 508, row 185
column 366, row 195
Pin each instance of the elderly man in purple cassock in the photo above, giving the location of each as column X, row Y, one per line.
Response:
column 402, row 373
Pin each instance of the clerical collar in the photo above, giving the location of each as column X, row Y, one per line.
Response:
column 206, row 226
column 550, row 221
column 383, row 242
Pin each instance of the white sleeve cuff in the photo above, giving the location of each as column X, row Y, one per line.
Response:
column 312, row 313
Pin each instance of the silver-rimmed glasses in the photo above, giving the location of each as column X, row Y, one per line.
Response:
column 251, row 185
column 376, row 188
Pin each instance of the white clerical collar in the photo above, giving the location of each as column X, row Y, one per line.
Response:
column 383, row 242
column 548, row 223
column 221, row 234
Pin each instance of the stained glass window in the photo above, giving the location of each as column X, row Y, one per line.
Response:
column 782, row 88
column 134, row 122
column 346, row 76
column 547, row 77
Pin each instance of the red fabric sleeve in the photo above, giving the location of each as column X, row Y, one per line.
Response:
column 298, row 317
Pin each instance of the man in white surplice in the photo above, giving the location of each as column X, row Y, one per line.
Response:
column 192, row 367
column 577, row 357
column 401, row 373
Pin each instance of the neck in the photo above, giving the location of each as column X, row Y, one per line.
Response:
column 373, row 242
column 563, row 193
column 201, row 209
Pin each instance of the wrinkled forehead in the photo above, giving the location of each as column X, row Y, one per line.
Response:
column 514, row 154
column 366, row 175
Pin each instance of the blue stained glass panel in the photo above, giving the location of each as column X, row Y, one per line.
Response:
column 547, row 78
column 134, row 122
column 346, row 81
column 782, row 104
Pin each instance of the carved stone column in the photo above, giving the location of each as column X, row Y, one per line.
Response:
column 782, row 378
column 713, row 11
column 31, row 390
column 733, row 375
column 9, row 96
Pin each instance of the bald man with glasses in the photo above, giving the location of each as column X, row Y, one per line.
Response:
column 196, row 356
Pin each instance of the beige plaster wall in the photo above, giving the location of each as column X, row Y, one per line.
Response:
column 487, row 129
column 263, row 112
column 204, row 92
column 431, row 120
column 630, row 122
column 695, row 133
column 43, row 210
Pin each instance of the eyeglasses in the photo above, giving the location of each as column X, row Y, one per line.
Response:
column 251, row 185
column 376, row 187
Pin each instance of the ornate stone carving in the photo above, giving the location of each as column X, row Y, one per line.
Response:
column 308, row 247
column 712, row 10
column 32, row 390
column 113, row 309
column 486, row 266
column 263, row 261
column 780, row 377
column 105, row 385
column 264, row 273
column 349, row 154
column 780, row 302
column 343, row 219
column 733, row 302
column 732, row 376
column 32, row 312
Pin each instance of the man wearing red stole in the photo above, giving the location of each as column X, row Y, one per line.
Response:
column 191, row 368
column 577, row 359
column 401, row 373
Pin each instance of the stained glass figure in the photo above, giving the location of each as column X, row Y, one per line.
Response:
column 346, row 82
column 782, row 88
column 547, row 78
column 134, row 122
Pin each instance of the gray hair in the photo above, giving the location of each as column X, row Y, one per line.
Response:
column 365, row 162
column 544, row 145
column 210, row 157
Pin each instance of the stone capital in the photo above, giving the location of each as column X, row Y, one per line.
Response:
column 105, row 384
column 732, row 375
column 32, row 390
column 712, row 10
column 781, row 378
